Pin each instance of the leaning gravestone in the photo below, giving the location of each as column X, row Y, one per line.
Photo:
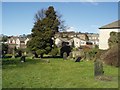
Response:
column 65, row 56
column 78, row 59
column 98, row 68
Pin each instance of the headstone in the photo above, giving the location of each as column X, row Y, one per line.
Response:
column 22, row 58
column 78, row 59
column 65, row 56
column 70, row 55
column 48, row 61
column 98, row 68
column 13, row 55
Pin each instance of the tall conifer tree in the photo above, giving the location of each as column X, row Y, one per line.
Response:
column 43, row 32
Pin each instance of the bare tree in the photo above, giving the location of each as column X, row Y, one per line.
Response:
column 62, row 26
column 40, row 15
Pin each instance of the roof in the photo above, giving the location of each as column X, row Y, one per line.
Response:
column 15, row 38
column 66, row 39
column 22, row 39
column 113, row 25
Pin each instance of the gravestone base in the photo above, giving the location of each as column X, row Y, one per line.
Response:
column 103, row 78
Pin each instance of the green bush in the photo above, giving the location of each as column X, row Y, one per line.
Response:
column 90, row 53
column 114, row 38
column 54, row 52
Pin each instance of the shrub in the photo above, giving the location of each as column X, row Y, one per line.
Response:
column 54, row 52
column 66, row 49
column 8, row 56
column 114, row 38
column 110, row 57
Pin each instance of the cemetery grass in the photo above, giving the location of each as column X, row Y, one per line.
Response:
column 56, row 74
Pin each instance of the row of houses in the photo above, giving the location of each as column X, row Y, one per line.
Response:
column 76, row 39
column 72, row 38
column 18, row 42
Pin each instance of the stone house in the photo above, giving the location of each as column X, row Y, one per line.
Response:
column 105, row 33
column 17, row 42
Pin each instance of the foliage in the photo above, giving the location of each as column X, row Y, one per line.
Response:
column 4, row 38
column 66, row 49
column 19, row 52
column 114, row 38
column 54, row 51
column 110, row 57
column 3, row 49
column 90, row 53
column 46, row 25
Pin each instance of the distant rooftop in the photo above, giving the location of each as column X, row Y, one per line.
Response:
column 113, row 25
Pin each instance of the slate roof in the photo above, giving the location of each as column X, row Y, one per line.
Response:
column 113, row 25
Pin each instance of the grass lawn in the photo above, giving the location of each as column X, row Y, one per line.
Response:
column 56, row 74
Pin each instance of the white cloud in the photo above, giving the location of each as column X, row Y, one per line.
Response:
column 94, row 2
column 70, row 29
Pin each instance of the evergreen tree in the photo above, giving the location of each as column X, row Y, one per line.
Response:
column 43, row 32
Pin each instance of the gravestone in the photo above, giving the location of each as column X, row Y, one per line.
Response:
column 22, row 58
column 13, row 54
column 98, row 68
column 78, row 59
column 65, row 56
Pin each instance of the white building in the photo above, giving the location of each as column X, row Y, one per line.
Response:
column 18, row 42
column 105, row 33
column 78, row 42
column 59, row 41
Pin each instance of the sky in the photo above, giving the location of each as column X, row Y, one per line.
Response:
column 18, row 17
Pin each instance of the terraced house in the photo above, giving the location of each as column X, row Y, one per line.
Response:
column 18, row 42
column 76, row 39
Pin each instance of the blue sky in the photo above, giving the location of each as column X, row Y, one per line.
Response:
column 18, row 18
